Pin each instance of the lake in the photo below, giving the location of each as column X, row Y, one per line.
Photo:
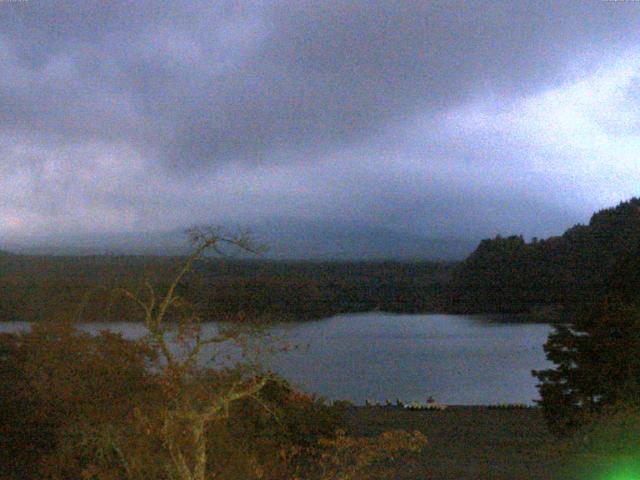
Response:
column 456, row 359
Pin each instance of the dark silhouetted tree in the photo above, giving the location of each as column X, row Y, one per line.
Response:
column 597, row 357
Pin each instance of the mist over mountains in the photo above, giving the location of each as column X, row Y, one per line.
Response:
column 286, row 239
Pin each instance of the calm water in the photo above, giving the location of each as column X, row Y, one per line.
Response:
column 456, row 359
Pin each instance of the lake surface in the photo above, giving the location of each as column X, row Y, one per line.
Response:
column 457, row 359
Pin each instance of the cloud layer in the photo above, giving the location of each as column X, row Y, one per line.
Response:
column 436, row 118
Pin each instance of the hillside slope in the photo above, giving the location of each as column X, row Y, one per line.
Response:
column 587, row 261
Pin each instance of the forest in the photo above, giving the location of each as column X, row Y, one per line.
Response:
column 578, row 268
column 551, row 277
column 37, row 286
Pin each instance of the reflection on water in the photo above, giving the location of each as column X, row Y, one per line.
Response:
column 456, row 359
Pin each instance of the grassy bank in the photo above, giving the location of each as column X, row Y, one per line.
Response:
column 469, row 443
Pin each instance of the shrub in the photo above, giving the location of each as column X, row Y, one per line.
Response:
column 108, row 408
column 61, row 386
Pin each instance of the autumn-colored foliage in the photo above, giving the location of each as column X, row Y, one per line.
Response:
column 63, row 389
column 79, row 406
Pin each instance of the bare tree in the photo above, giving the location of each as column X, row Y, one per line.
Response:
column 192, row 402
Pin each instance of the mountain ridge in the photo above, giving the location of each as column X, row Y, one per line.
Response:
column 286, row 239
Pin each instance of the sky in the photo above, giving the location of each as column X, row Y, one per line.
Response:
column 445, row 119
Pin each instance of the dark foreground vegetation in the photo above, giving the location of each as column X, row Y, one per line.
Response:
column 76, row 406
column 591, row 397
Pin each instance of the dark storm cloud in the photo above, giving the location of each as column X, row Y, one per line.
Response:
column 211, row 82
column 158, row 102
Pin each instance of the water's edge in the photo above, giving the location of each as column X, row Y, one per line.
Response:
column 381, row 357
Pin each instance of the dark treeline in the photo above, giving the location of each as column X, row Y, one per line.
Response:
column 38, row 287
column 508, row 274
column 593, row 388
column 504, row 274
column 590, row 279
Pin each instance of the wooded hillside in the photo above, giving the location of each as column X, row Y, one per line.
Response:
column 510, row 274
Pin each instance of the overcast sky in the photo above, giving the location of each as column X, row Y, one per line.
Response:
column 462, row 119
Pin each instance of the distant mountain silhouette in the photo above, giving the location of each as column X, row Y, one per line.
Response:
column 126, row 243
column 289, row 239
column 582, row 265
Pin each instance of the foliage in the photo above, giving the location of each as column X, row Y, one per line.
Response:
column 60, row 386
column 614, row 431
column 597, row 354
column 348, row 458
column 597, row 362
column 39, row 287
column 107, row 408
column 509, row 274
